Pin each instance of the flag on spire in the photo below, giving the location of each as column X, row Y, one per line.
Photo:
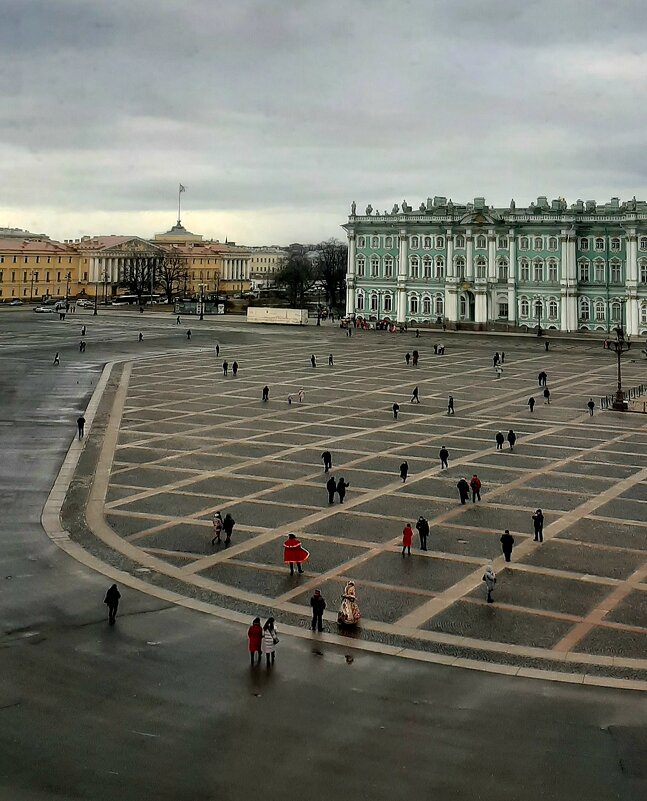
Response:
column 182, row 188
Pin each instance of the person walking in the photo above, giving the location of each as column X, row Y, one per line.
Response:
column 489, row 577
column 141, row 337
column 217, row 528
column 342, row 486
column 255, row 640
column 330, row 360
column 404, row 471
column 188, row 334
column 591, row 405
column 415, row 396
column 270, row 641
column 112, row 602
column 266, row 394
column 542, row 378
column 422, row 526
column 499, row 441
column 531, row 404
column 475, row 486
column 234, row 369
column 416, row 356
column 407, row 358
column 463, row 490
column 318, row 605
column 225, row 367
column 538, row 525
column 498, row 371
column 294, row 553
column 450, row 405
column 395, row 407
column 331, row 486
column 178, row 320
column 512, row 438
column 443, row 453
column 502, row 357
column 507, row 541
column 313, row 360
column 289, row 400
column 82, row 345
column 57, row 359
column 218, row 354
column 80, row 425
column 407, row 539
column 83, row 331
column 228, row 524
column 495, row 359
column 301, row 395
column 547, row 396
column 326, row 457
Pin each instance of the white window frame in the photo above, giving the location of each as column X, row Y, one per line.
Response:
column 524, row 308
column 537, row 243
column 599, row 244
column 360, row 266
column 427, row 243
column 615, row 244
column 598, row 271
column 553, row 243
column 502, row 268
column 414, row 267
column 427, row 266
column 415, row 242
column 524, row 243
column 361, row 241
column 375, row 266
column 481, row 242
column 388, row 266
column 584, row 243
column 440, row 242
column 524, row 270
column 440, row 267
column 553, row 270
column 460, row 241
column 503, row 242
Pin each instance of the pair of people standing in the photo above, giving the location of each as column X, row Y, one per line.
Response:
column 500, row 439
column 262, row 640
column 338, row 487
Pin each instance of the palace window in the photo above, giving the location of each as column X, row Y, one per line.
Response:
column 463, row 307
column 388, row 242
column 584, row 244
column 460, row 267
column 643, row 314
column 375, row 242
column 537, row 270
column 552, row 270
column 615, row 312
column 598, row 269
column 616, row 271
column 481, row 242
column 503, row 241
column 502, row 270
column 643, row 242
column 414, row 264
column 643, row 272
column 552, row 243
column 374, row 302
column 440, row 267
column 524, row 308
column 388, row 303
column 524, row 243
column 615, row 244
column 360, row 301
column 361, row 242
column 599, row 243
column 426, row 306
column 388, row 266
column 426, row 266
column 413, row 304
column 503, row 309
column 552, row 309
column 481, row 267
column 599, row 311
column 538, row 243
column 585, row 309
column 524, row 270
column 427, row 243
column 440, row 242
column 375, row 266
column 415, row 242
column 361, row 266
column 583, row 271
column 460, row 241
column 439, row 306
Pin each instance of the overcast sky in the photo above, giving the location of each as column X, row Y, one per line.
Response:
column 277, row 114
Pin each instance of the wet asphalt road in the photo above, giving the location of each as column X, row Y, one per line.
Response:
column 165, row 706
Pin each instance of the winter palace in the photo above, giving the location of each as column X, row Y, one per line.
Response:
column 582, row 267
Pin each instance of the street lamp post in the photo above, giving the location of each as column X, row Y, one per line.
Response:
column 318, row 304
column 105, row 287
column 202, row 301
column 67, row 291
column 619, row 346
column 538, row 310
column 31, row 288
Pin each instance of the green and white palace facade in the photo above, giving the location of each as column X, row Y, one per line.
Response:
column 577, row 268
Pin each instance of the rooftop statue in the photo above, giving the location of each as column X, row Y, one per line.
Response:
column 395, row 209
column 513, row 205
column 369, row 210
column 423, row 207
column 353, row 207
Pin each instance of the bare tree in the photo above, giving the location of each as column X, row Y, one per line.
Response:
column 331, row 269
column 141, row 273
column 297, row 275
column 172, row 273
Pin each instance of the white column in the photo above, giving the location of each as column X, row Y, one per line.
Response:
column 632, row 261
column 512, row 277
column 449, row 266
column 480, row 305
column 350, row 273
column 469, row 256
column 491, row 256
column 402, row 278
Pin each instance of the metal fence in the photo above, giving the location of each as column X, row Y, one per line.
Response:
column 630, row 394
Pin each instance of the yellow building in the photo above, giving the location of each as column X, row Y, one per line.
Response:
column 33, row 269
column 263, row 264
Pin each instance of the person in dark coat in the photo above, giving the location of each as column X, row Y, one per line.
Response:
column 141, row 337
column 396, row 409
column 331, row 362
column 450, row 405
column 507, row 541
column 313, row 360
column 423, row 531
column 342, row 486
column 495, row 359
column 499, row 441
column 266, row 393
column 512, row 438
column 415, row 395
column 538, row 525
column 82, row 346
column 225, row 367
column 502, row 356
column 234, row 368
column 475, row 486
column 326, row 456
column 443, row 453
column 407, row 358
column 188, row 334
column 228, row 524
column 416, row 356
column 404, row 471
column 547, row 396
column 542, row 379
column 546, row 345
column 463, row 490
column 83, row 331
column 218, row 354
column 80, row 425
column 531, row 404
column 318, row 605
column 591, row 405
column 331, row 486
column 57, row 359
column 112, row 602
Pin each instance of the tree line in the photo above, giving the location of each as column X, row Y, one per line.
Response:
column 325, row 269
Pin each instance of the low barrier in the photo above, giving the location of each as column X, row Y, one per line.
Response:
column 630, row 394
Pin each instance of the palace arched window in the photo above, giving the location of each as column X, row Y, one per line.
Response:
column 460, row 241
column 642, row 271
column 538, row 243
column 440, row 267
column 599, row 243
column 414, row 266
column 460, row 267
column 375, row 266
column 427, row 243
column 502, row 269
column 360, row 302
column 426, row 266
column 439, row 306
column 374, row 301
column 388, row 303
column 524, row 308
column 375, row 241
column 598, row 271
column 584, row 243
column 440, row 242
column 552, row 243
column 415, row 242
column 503, row 241
column 584, row 271
column 426, row 306
column 481, row 241
column 361, row 266
column 481, row 267
column 524, row 243
column 599, row 311
column 538, row 270
column 552, row 309
column 643, row 242
column 524, row 270
column 615, row 244
column 413, row 304
column 361, row 242
column 388, row 266
column 552, row 270
column 388, row 242
column 585, row 309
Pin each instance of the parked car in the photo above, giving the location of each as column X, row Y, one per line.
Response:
column 45, row 309
column 85, row 304
column 16, row 302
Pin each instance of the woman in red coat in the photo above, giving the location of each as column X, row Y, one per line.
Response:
column 255, row 638
column 294, row 554
column 407, row 539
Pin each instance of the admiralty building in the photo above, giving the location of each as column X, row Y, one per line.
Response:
column 577, row 268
